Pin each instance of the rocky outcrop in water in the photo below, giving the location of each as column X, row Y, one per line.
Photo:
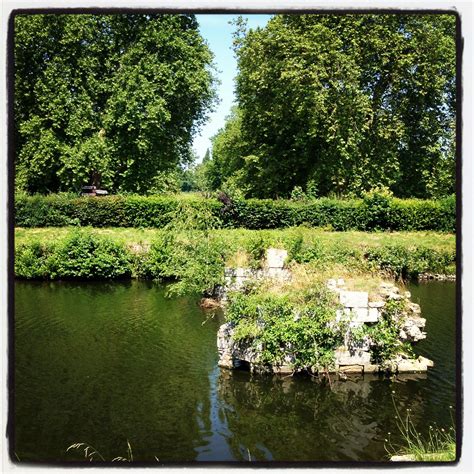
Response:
column 357, row 308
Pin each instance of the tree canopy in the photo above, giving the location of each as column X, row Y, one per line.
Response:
column 113, row 99
column 342, row 103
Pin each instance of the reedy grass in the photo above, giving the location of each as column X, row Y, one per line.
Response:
column 438, row 445
column 92, row 454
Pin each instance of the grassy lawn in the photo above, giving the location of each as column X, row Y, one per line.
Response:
column 315, row 254
column 238, row 237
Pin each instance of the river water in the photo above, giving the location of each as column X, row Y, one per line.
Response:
column 103, row 363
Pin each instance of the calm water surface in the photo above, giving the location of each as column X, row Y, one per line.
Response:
column 104, row 363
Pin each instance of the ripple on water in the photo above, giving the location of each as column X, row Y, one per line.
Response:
column 104, row 363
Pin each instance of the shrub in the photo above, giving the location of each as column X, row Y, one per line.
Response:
column 31, row 261
column 256, row 248
column 404, row 262
column 385, row 335
column 300, row 326
column 376, row 211
column 194, row 259
column 79, row 256
column 188, row 253
column 82, row 255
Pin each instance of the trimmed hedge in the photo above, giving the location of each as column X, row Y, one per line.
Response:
column 375, row 212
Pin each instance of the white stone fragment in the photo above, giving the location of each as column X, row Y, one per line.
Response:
column 411, row 365
column 278, row 273
column 394, row 296
column 276, row 257
column 426, row 361
column 414, row 308
column 376, row 304
column 354, row 299
column 359, row 314
column 357, row 357
column 340, row 282
column 373, row 315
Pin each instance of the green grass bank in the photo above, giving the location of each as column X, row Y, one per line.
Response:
column 195, row 259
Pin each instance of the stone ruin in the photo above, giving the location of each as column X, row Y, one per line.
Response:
column 356, row 307
column 274, row 267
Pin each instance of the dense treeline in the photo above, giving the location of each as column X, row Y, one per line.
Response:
column 341, row 104
column 376, row 211
column 107, row 99
column 327, row 105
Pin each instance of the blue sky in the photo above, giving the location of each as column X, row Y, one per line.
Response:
column 218, row 33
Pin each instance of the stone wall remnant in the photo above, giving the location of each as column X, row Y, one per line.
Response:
column 356, row 308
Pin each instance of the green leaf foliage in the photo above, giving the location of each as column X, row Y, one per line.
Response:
column 374, row 212
column 342, row 104
column 107, row 99
column 78, row 256
column 385, row 335
column 300, row 326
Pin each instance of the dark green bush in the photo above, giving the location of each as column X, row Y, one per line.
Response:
column 410, row 262
column 78, row 256
column 32, row 261
column 82, row 255
column 377, row 211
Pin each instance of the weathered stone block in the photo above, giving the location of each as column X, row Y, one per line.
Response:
column 411, row 329
column 278, row 273
column 351, row 369
column 373, row 315
column 276, row 257
column 354, row 299
column 282, row 369
column 426, row 361
column 414, row 308
column 376, row 304
column 371, row 368
column 360, row 345
column 411, row 365
column 364, row 315
column 226, row 361
column 394, row 296
column 355, row 357
column 359, row 314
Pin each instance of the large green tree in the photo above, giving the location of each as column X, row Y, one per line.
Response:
column 346, row 102
column 110, row 99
